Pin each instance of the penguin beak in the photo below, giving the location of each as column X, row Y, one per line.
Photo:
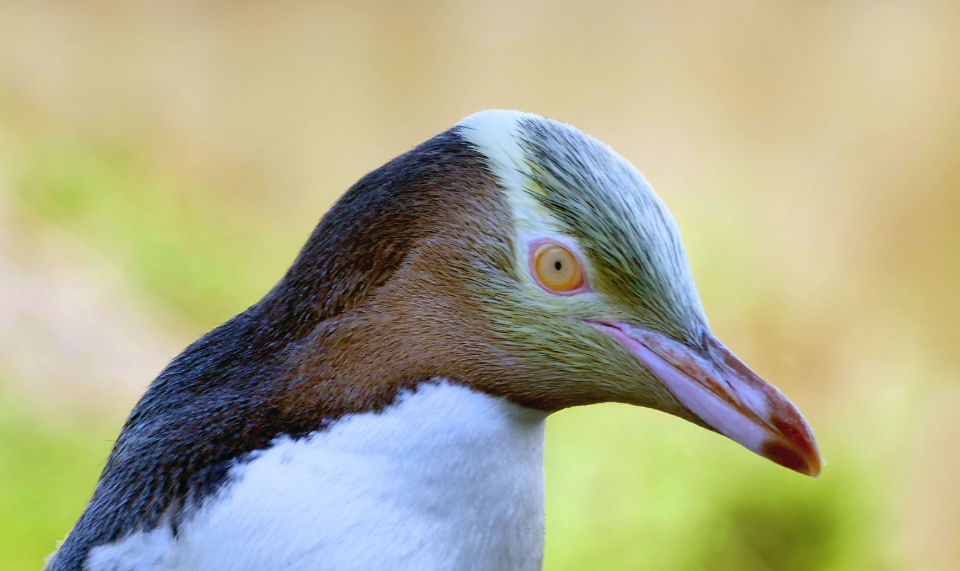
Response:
column 725, row 395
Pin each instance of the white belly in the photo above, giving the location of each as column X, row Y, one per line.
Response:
column 447, row 478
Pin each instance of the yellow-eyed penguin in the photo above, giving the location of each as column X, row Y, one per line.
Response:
column 383, row 406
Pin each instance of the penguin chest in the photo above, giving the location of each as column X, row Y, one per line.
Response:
column 446, row 478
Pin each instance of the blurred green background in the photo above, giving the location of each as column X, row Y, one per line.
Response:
column 161, row 163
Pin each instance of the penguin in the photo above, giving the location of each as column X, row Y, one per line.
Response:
column 383, row 406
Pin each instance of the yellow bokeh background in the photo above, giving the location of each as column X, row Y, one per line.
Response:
column 161, row 162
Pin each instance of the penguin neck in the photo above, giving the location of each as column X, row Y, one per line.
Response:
column 445, row 477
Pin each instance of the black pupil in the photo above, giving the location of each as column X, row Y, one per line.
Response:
column 557, row 265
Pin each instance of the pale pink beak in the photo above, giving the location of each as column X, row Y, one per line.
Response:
column 722, row 392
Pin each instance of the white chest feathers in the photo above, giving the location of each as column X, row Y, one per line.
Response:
column 446, row 478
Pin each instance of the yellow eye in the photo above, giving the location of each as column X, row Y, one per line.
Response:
column 557, row 268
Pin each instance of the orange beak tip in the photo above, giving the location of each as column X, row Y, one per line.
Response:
column 788, row 457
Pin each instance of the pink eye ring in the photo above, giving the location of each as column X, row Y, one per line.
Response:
column 557, row 269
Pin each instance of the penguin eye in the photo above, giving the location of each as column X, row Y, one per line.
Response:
column 556, row 268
